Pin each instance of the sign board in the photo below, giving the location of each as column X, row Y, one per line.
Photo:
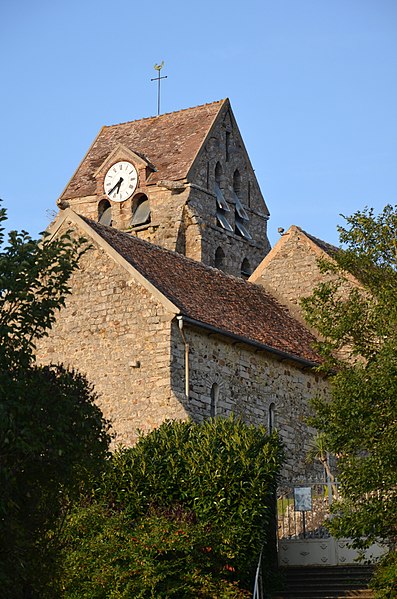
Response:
column 303, row 499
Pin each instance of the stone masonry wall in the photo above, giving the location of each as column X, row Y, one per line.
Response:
column 166, row 217
column 166, row 213
column 249, row 382
column 293, row 272
column 119, row 335
column 225, row 147
column 203, row 205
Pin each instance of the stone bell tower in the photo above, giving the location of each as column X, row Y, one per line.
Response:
column 181, row 180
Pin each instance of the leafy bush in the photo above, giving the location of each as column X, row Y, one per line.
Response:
column 157, row 555
column 384, row 581
column 52, row 435
column 52, row 438
column 184, row 513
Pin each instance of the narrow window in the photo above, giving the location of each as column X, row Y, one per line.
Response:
column 249, row 194
column 271, row 418
column 214, row 400
column 219, row 258
column 227, row 145
column 140, row 211
column 245, row 268
column 237, row 182
column 105, row 213
column 218, row 174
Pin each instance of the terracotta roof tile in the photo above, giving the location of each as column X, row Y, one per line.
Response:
column 213, row 298
column 181, row 133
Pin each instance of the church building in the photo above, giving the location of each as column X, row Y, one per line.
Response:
column 171, row 314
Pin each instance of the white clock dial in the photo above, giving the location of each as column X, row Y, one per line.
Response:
column 121, row 181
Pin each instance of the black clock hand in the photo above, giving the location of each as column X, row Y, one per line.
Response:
column 119, row 182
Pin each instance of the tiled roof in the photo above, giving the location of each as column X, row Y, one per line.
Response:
column 213, row 298
column 181, row 133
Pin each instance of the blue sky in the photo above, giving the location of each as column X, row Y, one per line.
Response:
column 312, row 84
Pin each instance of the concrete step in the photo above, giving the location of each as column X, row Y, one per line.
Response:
column 326, row 582
column 362, row 593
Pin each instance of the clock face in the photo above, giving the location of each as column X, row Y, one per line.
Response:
column 120, row 181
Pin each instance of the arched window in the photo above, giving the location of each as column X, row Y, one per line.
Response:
column 271, row 424
column 218, row 173
column 140, row 211
column 237, row 182
column 214, row 399
column 105, row 213
column 245, row 268
column 219, row 258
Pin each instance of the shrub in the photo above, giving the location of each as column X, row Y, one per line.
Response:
column 184, row 513
column 384, row 581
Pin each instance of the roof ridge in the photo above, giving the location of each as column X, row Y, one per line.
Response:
column 147, row 118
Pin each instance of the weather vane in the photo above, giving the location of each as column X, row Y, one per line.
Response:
column 158, row 68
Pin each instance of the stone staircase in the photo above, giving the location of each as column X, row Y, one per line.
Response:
column 326, row 582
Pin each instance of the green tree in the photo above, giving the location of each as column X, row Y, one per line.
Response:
column 184, row 513
column 319, row 452
column 358, row 325
column 52, row 436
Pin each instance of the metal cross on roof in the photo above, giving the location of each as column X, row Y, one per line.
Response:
column 158, row 68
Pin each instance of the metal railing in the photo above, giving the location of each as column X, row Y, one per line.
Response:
column 258, row 585
column 293, row 524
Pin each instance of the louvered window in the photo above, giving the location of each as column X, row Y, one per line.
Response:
column 105, row 213
column 222, row 207
column 220, row 200
column 141, row 212
column 240, row 213
column 241, row 230
column 223, row 222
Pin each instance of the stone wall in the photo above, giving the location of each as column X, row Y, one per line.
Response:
column 202, row 207
column 166, row 219
column 249, row 382
column 119, row 335
column 166, row 213
column 292, row 272
column 225, row 148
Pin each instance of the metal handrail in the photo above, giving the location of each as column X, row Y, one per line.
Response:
column 258, row 585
